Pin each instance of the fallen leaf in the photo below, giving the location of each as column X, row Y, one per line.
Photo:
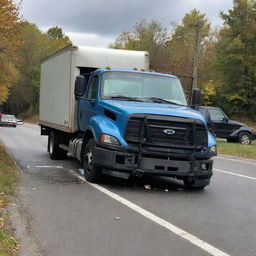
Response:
column 80, row 182
column 17, row 247
column 148, row 187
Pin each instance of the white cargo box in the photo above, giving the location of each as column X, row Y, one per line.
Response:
column 58, row 73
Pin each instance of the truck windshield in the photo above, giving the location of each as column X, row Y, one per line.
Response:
column 137, row 86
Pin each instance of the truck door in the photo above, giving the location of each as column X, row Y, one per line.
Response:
column 87, row 105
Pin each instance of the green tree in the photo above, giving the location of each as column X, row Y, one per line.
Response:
column 181, row 47
column 148, row 36
column 34, row 46
column 182, row 43
column 55, row 33
column 9, row 44
column 236, row 58
column 56, row 40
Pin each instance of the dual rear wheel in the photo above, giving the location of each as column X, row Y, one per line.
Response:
column 54, row 150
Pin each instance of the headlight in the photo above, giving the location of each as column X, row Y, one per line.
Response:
column 106, row 138
column 213, row 149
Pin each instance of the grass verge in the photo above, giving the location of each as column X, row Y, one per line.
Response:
column 8, row 175
column 236, row 149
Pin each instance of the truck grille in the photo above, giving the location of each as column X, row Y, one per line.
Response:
column 153, row 129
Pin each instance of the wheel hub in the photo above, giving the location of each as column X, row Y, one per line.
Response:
column 88, row 161
column 245, row 139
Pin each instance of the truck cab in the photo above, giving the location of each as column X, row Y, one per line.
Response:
column 138, row 122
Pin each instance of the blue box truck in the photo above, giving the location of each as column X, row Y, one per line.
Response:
column 105, row 108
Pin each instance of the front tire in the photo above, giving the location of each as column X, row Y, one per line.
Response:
column 55, row 152
column 92, row 172
column 244, row 138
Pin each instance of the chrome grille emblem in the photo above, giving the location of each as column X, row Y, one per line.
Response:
column 169, row 131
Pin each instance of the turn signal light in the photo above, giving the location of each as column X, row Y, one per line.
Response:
column 106, row 138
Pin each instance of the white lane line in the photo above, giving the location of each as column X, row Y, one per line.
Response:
column 236, row 174
column 49, row 166
column 235, row 160
column 178, row 231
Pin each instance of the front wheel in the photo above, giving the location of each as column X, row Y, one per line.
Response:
column 92, row 173
column 244, row 138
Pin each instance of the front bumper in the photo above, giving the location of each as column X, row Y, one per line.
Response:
column 8, row 123
column 123, row 162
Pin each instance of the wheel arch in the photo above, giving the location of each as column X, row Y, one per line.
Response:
column 240, row 130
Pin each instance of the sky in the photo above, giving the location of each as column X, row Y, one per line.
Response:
column 98, row 22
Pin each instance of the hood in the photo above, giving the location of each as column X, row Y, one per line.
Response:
column 133, row 107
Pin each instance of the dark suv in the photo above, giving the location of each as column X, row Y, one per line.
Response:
column 222, row 127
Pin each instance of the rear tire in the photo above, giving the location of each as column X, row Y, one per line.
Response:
column 244, row 138
column 92, row 172
column 55, row 152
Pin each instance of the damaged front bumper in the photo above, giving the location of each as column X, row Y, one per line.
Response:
column 123, row 162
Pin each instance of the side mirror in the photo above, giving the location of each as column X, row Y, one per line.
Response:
column 196, row 99
column 225, row 119
column 80, row 86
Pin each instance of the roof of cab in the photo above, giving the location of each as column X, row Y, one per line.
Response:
column 134, row 71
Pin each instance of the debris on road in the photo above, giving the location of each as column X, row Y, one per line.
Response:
column 166, row 190
column 81, row 171
column 117, row 218
column 80, row 181
column 147, row 187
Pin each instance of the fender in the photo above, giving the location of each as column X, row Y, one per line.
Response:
column 211, row 140
column 101, row 124
column 241, row 129
column 98, row 125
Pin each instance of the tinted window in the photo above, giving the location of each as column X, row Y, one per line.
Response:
column 216, row 114
column 93, row 88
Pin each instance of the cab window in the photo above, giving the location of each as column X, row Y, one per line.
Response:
column 93, row 88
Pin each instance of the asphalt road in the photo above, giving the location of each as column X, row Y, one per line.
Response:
column 66, row 217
